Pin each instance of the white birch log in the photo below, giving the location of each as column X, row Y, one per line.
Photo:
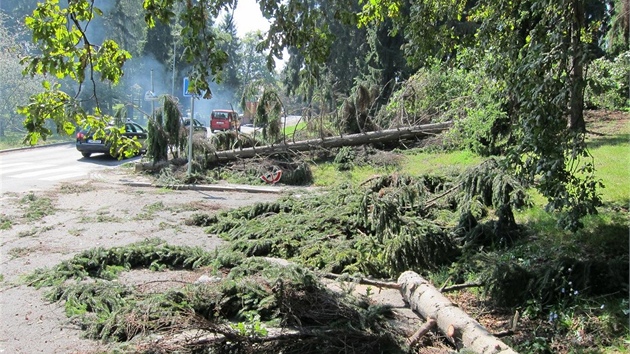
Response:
column 428, row 302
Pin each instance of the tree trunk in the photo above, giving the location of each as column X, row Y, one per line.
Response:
column 576, row 114
column 346, row 140
column 463, row 330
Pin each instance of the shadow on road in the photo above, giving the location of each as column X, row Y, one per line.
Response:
column 106, row 160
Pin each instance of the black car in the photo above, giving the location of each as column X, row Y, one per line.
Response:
column 87, row 145
column 198, row 126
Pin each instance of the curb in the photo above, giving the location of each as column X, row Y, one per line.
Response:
column 35, row 147
column 208, row 187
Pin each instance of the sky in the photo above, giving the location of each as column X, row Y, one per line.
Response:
column 248, row 18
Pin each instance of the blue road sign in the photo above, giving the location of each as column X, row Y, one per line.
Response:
column 187, row 93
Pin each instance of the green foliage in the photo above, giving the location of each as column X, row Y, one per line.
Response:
column 357, row 110
column 228, row 140
column 58, row 31
column 254, row 292
column 35, row 207
column 268, row 114
column 493, row 186
column 532, row 89
column 5, row 222
column 172, row 126
column 617, row 38
column 471, row 98
column 157, row 140
column 369, row 230
column 299, row 25
column 252, row 327
column 97, row 262
column 548, row 147
column 57, row 106
column 434, row 93
column 66, row 52
column 607, row 83
column 345, row 158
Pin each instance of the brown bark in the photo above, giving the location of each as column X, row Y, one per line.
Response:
column 576, row 114
column 331, row 142
column 428, row 302
column 424, row 329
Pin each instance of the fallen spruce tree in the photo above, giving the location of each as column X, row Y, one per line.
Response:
column 372, row 137
column 451, row 229
column 384, row 227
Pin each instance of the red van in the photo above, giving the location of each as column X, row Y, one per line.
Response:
column 224, row 119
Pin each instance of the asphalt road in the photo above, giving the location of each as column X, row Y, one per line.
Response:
column 41, row 168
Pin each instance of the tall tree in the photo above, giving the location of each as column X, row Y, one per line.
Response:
column 618, row 36
column 253, row 65
column 14, row 87
column 324, row 84
column 230, row 44
column 539, row 48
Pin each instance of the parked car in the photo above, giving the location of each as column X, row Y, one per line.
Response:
column 198, row 126
column 224, row 119
column 87, row 145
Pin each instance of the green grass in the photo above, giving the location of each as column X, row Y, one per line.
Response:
column 415, row 163
column 290, row 130
column 100, row 217
column 328, row 175
column 14, row 140
column 612, row 166
column 5, row 222
column 442, row 163
column 35, row 207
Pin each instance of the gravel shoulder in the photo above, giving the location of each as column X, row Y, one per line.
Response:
column 103, row 211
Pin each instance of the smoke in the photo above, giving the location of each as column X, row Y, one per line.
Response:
column 221, row 99
column 146, row 73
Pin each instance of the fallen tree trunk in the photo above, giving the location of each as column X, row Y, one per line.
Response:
column 332, row 142
column 463, row 330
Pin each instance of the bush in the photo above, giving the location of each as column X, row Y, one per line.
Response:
column 607, row 83
column 469, row 97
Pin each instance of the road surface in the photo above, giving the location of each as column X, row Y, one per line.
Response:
column 43, row 167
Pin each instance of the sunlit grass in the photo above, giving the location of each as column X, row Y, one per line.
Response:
column 612, row 166
column 414, row 163
column 447, row 163
column 290, row 130
column 328, row 175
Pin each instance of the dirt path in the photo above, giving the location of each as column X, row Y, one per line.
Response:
column 101, row 211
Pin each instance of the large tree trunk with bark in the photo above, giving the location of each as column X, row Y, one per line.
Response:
column 463, row 330
column 576, row 114
column 331, row 142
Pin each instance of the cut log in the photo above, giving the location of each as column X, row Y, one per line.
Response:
column 428, row 302
column 332, row 142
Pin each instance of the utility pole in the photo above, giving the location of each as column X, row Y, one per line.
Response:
column 173, row 80
column 152, row 101
column 190, row 134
